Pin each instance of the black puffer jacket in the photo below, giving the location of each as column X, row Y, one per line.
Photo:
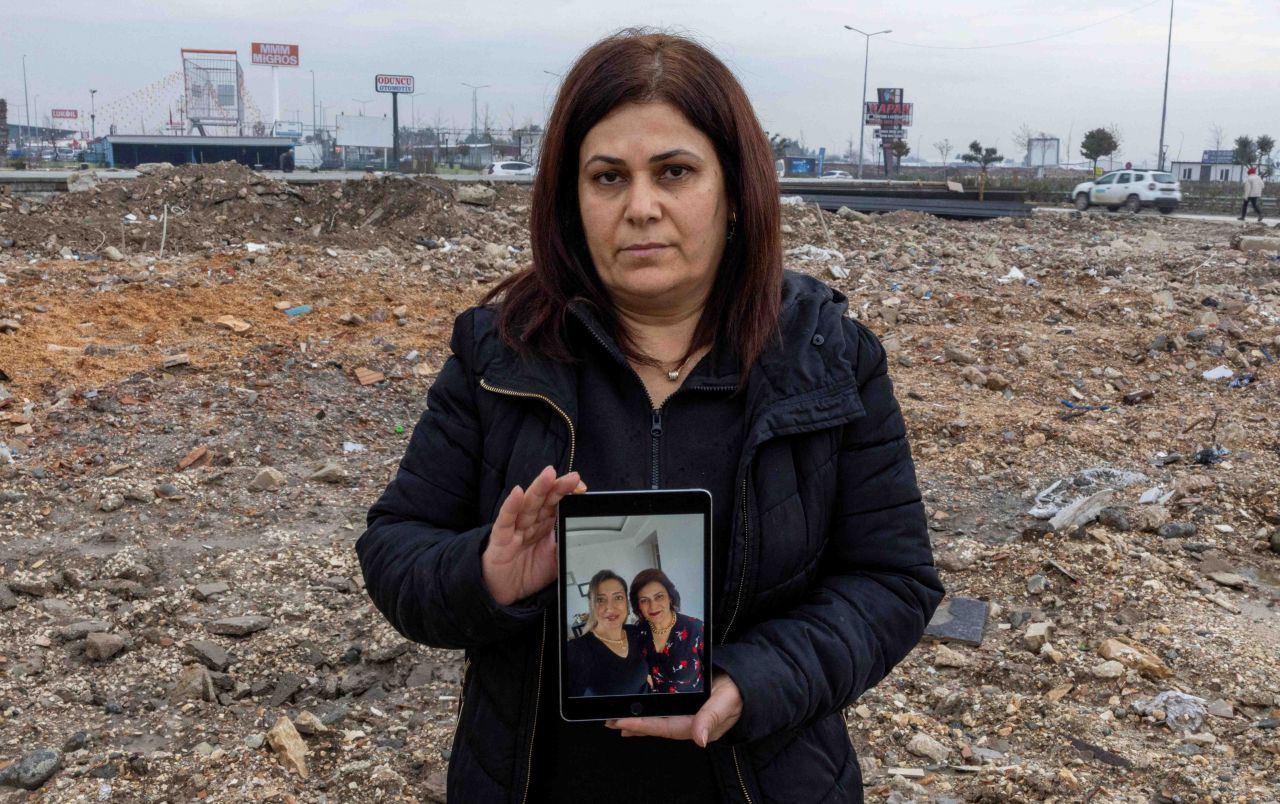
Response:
column 830, row 580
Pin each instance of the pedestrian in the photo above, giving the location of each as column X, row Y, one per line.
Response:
column 656, row 342
column 1253, row 187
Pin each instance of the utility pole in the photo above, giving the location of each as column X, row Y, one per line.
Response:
column 1164, row 107
column 862, row 110
column 92, row 117
column 26, row 105
column 474, row 88
column 315, row 133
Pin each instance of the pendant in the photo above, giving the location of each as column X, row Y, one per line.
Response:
column 673, row 375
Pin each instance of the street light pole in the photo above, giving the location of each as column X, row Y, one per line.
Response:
column 474, row 88
column 26, row 134
column 1164, row 107
column 862, row 110
column 92, row 117
column 315, row 134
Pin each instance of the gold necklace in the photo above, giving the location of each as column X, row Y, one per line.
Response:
column 619, row 641
column 675, row 375
column 665, row 629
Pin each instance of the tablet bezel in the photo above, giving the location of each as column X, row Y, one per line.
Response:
column 629, row 503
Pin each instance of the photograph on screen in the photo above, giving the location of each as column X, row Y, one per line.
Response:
column 634, row 588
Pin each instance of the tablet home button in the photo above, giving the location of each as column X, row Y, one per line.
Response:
column 637, row 708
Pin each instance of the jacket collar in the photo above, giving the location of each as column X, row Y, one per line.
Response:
column 806, row 377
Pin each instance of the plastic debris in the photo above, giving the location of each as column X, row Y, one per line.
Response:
column 1076, row 406
column 301, row 309
column 1218, row 373
column 255, row 248
column 1014, row 275
column 1182, row 712
column 1242, row 381
column 353, row 446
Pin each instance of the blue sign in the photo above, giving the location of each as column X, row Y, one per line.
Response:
column 1217, row 158
column 822, row 157
column 802, row 167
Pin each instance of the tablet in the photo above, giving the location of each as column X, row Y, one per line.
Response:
column 635, row 603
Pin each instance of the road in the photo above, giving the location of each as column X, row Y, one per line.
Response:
column 1190, row 216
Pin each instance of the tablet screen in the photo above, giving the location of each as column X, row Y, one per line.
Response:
column 634, row 613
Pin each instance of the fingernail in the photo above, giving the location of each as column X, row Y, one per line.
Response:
column 581, row 487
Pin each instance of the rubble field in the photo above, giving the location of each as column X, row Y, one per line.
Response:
column 189, row 443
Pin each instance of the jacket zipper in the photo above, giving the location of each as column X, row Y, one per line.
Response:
column 655, row 431
column 542, row 644
column 742, row 582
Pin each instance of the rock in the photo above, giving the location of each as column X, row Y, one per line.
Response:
column 194, row 684
column 1255, row 243
column 997, row 381
column 351, row 319
column 1115, row 517
column 32, row 585
column 99, row 647
column 210, row 654
column 8, row 600
column 81, row 629
column 81, row 183
column 1081, row 512
column 974, row 376
column 230, row 322
column 147, row 168
column 308, row 723
column 239, row 626
column 922, row 745
column 476, row 194
column 32, row 770
column 1037, row 584
column 1177, row 530
column 286, row 687
column 1228, row 579
column 255, row 741
column 853, row 215
column 1220, row 708
column 113, row 254
column 1134, row 656
column 1274, row 542
column 268, row 479
column 331, row 472
column 436, row 787
column 289, row 746
column 960, row 356
column 946, row 657
column 1036, row 635
column 207, row 591
column 111, row 502
column 1108, row 669
column 9, row 325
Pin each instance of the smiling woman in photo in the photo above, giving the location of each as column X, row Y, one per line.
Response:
column 606, row 659
column 670, row 642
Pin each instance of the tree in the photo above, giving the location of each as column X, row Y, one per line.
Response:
column 1022, row 137
column 1216, row 136
column 1265, row 146
column 899, row 149
column 981, row 156
column 943, row 147
column 781, row 145
column 1098, row 143
column 1245, row 152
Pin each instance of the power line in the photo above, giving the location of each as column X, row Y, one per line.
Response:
column 1027, row 41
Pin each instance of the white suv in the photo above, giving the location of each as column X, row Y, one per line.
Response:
column 1131, row 189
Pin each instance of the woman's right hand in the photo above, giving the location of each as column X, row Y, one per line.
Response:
column 521, row 556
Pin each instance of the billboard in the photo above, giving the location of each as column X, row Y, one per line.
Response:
column 364, row 132
column 64, row 114
column 888, row 114
column 273, row 55
column 1217, row 158
column 1042, row 152
column 393, row 83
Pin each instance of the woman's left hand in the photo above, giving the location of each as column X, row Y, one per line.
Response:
column 717, row 716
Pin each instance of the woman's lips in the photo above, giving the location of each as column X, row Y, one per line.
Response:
column 644, row 249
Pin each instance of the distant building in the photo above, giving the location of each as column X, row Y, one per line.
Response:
column 1214, row 166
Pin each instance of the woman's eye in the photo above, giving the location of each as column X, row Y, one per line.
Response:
column 608, row 177
column 677, row 171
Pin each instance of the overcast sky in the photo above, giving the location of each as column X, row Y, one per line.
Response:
column 802, row 69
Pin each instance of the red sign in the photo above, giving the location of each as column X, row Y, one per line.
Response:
column 274, row 55
column 64, row 114
column 888, row 114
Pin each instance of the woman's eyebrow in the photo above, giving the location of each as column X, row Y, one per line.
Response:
column 662, row 157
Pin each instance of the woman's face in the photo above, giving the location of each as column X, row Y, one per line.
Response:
column 610, row 604
column 654, row 208
column 655, row 603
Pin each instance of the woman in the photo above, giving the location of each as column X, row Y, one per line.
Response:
column 607, row 659
column 670, row 642
column 655, row 342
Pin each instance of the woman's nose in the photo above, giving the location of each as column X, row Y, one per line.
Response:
column 642, row 202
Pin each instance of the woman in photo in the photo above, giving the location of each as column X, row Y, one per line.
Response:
column 670, row 642
column 655, row 342
column 607, row 659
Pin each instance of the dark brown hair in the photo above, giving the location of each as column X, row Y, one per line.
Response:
column 639, row 66
column 646, row 577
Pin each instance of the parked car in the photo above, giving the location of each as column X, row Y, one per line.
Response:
column 509, row 169
column 836, row 174
column 1131, row 189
